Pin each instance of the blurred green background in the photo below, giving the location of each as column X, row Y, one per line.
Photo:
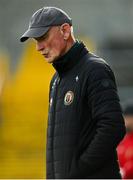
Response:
column 105, row 26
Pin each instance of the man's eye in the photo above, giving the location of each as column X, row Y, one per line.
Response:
column 42, row 38
column 45, row 37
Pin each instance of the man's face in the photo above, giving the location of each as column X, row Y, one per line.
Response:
column 52, row 45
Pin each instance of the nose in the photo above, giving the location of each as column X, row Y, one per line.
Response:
column 39, row 46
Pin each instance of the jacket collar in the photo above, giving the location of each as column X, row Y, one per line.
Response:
column 71, row 58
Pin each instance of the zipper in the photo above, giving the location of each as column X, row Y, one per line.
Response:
column 56, row 83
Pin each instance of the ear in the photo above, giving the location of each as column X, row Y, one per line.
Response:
column 65, row 30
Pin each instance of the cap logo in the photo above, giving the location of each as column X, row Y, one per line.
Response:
column 69, row 97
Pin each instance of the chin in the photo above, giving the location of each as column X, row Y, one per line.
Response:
column 49, row 60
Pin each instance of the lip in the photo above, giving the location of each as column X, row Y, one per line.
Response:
column 45, row 55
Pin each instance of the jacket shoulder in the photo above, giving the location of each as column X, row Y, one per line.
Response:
column 97, row 68
column 95, row 62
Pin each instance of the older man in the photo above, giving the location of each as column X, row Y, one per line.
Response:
column 85, row 122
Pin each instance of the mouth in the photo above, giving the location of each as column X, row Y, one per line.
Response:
column 46, row 55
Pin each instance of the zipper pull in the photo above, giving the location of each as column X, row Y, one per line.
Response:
column 58, row 80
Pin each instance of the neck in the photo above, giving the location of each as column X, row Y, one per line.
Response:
column 69, row 43
column 71, row 58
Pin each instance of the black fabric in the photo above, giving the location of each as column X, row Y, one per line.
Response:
column 69, row 60
column 82, row 136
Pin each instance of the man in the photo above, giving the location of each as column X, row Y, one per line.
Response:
column 85, row 121
column 125, row 148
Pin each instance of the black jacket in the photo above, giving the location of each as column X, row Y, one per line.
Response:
column 85, row 121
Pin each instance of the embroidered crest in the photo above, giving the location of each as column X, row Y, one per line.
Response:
column 69, row 97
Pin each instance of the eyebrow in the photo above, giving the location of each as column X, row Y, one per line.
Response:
column 42, row 37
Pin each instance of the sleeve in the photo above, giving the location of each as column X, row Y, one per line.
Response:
column 103, row 102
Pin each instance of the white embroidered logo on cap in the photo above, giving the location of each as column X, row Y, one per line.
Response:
column 69, row 97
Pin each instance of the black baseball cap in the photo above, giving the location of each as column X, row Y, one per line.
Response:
column 43, row 19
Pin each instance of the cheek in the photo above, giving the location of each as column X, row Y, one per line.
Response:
column 57, row 46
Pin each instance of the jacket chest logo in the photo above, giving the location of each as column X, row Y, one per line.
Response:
column 69, row 97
